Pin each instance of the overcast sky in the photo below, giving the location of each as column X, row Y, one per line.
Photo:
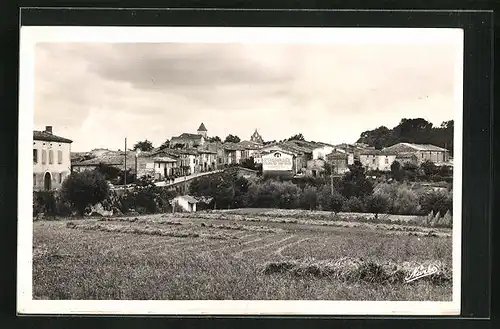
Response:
column 98, row 94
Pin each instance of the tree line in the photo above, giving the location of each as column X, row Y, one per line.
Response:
column 418, row 131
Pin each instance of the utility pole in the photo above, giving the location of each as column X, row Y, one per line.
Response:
column 125, row 172
column 331, row 178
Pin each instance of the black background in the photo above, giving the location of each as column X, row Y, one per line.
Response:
column 478, row 143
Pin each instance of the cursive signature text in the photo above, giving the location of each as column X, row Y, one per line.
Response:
column 420, row 272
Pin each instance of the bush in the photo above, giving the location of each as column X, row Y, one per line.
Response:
column 44, row 202
column 402, row 199
column 354, row 204
column 436, row 201
column 309, row 198
column 354, row 182
column 331, row 202
column 272, row 193
column 83, row 189
column 377, row 203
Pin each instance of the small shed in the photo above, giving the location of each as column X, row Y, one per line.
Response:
column 185, row 202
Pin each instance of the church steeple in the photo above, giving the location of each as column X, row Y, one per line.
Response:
column 256, row 137
column 202, row 130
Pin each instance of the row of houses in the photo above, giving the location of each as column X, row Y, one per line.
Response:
column 191, row 153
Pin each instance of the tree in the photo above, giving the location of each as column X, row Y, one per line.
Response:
column 331, row 202
column 232, row 139
column 396, row 172
column 249, row 163
column 417, row 130
column 297, row 137
column 110, row 173
column 429, row 168
column 354, row 182
column 214, row 139
column 436, row 201
column 144, row 146
column 353, row 204
column 83, row 189
column 309, row 198
column 165, row 145
column 377, row 204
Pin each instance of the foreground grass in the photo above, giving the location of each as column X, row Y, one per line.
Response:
column 72, row 263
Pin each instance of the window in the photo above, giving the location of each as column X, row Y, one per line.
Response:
column 59, row 157
column 34, row 179
column 44, row 156
column 35, row 156
column 51, row 157
column 60, row 178
column 386, row 160
column 373, row 160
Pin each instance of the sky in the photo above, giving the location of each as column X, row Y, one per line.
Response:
column 97, row 94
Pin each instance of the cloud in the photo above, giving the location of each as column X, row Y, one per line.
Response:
column 97, row 94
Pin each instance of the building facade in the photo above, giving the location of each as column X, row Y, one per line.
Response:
column 423, row 152
column 339, row 162
column 278, row 162
column 51, row 159
column 377, row 160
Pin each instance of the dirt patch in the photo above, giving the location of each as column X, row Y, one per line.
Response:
column 243, row 228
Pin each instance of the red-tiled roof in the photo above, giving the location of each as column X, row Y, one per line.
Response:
column 45, row 136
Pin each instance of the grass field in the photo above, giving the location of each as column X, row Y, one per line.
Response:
column 236, row 256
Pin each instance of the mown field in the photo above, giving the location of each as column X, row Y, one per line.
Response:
column 221, row 255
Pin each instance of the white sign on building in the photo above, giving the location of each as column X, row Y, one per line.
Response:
column 277, row 161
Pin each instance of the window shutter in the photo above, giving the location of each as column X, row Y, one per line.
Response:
column 51, row 157
column 44, row 156
column 35, row 156
column 59, row 157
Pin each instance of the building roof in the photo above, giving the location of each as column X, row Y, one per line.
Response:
column 187, row 136
column 188, row 198
column 410, row 147
column 112, row 158
column 202, row 127
column 337, row 155
column 48, row 137
column 232, row 147
column 271, row 151
column 249, row 145
column 405, row 155
column 377, row 152
column 164, row 159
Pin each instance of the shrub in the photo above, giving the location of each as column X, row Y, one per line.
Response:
column 403, row 200
column 437, row 201
column 44, row 202
column 354, row 182
column 331, row 202
column 83, row 189
column 377, row 203
column 273, row 193
column 309, row 198
column 353, row 204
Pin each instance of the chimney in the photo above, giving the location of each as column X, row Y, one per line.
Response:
column 48, row 129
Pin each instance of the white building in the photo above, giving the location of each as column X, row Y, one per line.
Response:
column 185, row 202
column 377, row 160
column 320, row 152
column 51, row 159
column 162, row 166
column 278, row 162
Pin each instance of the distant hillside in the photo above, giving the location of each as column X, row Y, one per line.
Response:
column 418, row 131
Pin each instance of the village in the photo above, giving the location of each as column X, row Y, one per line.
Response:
column 191, row 155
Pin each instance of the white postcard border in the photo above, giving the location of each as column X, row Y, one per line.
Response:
column 29, row 36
